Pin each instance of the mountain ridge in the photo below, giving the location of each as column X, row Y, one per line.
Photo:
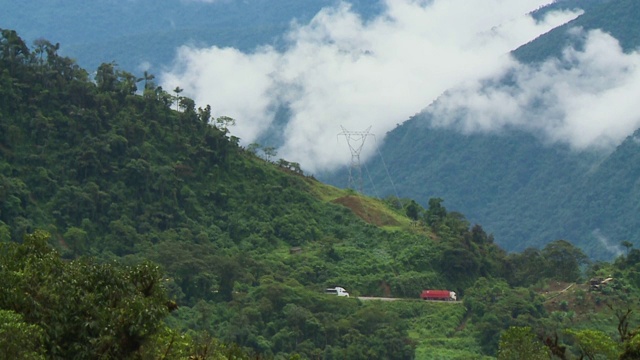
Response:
column 526, row 192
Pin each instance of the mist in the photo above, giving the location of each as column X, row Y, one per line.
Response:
column 339, row 70
column 585, row 99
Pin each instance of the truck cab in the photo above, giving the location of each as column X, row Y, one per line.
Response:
column 340, row 291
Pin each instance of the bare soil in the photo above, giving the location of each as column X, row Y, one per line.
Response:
column 369, row 214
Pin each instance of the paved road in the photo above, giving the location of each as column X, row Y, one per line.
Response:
column 367, row 298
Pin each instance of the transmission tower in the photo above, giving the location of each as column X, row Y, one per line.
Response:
column 355, row 140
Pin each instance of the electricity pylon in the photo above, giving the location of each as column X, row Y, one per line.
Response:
column 355, row 140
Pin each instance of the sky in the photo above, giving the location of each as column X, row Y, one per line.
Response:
column 338, row 71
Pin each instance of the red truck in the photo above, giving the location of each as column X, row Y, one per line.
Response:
column 444, row 295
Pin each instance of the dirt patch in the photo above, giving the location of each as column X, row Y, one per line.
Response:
column 573, row 297
column 367, row 213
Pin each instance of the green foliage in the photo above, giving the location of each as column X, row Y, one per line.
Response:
column 631, row 349
column 86, row 310
column 563, row 260
column 19, row 340
column 519, row 343
column 494, row 307
column 594, row 344
column 246, row 245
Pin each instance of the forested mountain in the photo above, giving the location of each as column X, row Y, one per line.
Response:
column 616, row 17
column 529, row 196
column 124, row 176
column 524, row 189
column 133, row 226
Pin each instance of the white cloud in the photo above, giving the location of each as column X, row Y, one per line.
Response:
column 339, row 70
column 585, row 99
column 233, row 83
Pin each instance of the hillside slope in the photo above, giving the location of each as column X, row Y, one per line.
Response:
column 120, row 180
column 246, row 245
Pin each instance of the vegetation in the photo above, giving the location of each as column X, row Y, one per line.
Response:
column 131, row 230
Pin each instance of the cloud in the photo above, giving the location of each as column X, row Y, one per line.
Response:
column 614, row 249
column 584, row 99
column 339, row 70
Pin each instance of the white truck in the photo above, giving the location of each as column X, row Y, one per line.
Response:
column 337, row 291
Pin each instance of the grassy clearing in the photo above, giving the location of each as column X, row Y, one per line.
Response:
column 433, row 326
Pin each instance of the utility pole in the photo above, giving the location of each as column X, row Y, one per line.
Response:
column 355, row 140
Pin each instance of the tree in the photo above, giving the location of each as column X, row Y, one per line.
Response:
column 19, row 340
column 127, row 84
column 269, row 152
column 253, row 148
column 627, row 245
column 413, row 210
column 519, row 343
column 224, row 122
column 631, row 348
column 13, row 50
column 5, row 232
column 528, row 267
column 177, row 90
column 77, row 240
column 564, row 260
column 87, row 310
column 204, row 114
column 106, row 78
column 436, row 212
column 595, row 344
column 148, row 80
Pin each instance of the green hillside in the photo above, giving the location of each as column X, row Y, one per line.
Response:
column 133, row 226
column 119, row 174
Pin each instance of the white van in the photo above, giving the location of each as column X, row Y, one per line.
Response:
column 337, row 291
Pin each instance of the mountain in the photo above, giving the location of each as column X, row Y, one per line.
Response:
column 619, row 18
column 133, row 225
column 146, row 33
column 97, row 173
column 522, row 188
column 516, row 197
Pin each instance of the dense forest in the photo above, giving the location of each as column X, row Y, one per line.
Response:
column 133, row 226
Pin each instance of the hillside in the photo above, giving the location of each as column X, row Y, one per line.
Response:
column 524, row 189
column 619, row 18
column 119, row 174
column 130, row 229
column 533, row 195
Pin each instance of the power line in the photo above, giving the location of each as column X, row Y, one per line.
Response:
column 355, row 140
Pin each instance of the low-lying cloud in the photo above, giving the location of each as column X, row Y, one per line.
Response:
column 585, row 99
column 339, row 70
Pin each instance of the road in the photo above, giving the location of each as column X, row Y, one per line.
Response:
column 369, row 298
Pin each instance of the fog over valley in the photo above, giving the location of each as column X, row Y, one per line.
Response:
column 339, row 70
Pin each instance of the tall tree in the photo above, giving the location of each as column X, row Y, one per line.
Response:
column 564, row 260
column 519, row 343
column 87, row 310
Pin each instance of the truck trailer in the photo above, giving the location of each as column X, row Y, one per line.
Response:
column 443, row 295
